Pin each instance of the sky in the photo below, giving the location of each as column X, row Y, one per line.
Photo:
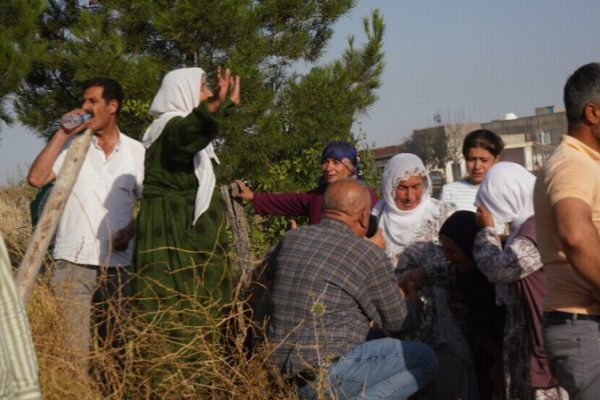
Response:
column 466, row 60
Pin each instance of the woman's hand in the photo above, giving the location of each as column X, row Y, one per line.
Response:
column 226, row 84
column 245, row 193
column 483, row 217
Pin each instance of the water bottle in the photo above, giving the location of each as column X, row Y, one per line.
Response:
column 71, row 120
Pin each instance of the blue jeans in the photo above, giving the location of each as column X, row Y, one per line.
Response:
column 378, row 369
column 573, row 350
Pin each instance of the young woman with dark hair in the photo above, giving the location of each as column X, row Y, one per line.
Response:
column 481, row 149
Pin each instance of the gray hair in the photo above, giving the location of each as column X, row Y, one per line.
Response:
column 582, row 87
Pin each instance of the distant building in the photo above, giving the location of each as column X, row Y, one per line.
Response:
column 383, row 154
column 539, row 134
column 454, row 135
column 528, row 140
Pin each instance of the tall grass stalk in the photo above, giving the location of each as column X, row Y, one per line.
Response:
column 150, row 363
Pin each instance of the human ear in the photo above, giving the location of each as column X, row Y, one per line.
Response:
column 113, row 106
column 364, row 218
column 591, row 111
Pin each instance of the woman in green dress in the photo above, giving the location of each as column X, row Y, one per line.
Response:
column 181, row 273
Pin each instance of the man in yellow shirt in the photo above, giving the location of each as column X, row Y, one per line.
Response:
column 567, row 212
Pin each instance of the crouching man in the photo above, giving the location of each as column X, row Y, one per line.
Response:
column 329, row 284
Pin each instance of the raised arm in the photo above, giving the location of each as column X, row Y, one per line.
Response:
column 41, row 172
column 517, row 260
column 185, row 136
column 579, row 238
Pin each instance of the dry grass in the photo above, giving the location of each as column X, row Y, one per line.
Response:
column 14, row 214
column 151, row 365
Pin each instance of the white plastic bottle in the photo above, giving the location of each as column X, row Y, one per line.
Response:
column 71, row 120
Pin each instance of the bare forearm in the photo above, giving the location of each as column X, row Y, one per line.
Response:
column 579, row 238
column 40, row 172
column 583, row 254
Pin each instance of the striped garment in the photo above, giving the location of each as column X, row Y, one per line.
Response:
column 18, row 364
column 328, row 286
column 461, row 194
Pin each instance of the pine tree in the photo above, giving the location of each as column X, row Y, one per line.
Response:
column 18, row 44
column 283, row 113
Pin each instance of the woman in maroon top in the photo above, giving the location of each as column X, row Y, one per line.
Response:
column 339, row 160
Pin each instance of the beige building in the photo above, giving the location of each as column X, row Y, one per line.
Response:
column 528, row 140
column 539, row 133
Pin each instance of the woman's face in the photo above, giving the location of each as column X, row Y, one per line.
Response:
column 455, row 256
column 334, row 170
column 409, row 193
column 478, row 161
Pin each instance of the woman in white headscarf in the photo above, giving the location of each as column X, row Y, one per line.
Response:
column 181, row 242
column 506, row 197
column 410, row 220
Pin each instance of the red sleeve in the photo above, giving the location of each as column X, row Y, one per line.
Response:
column 285, row 204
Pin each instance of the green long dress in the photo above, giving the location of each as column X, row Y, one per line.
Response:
column 181, row 274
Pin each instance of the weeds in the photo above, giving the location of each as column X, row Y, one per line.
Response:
column 151, row 363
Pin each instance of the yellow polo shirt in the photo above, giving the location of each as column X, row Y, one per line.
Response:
column 573, row 171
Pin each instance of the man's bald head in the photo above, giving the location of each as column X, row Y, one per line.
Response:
column 348, row 201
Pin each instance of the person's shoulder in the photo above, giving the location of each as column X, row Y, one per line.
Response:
column 450, row 190
column 314, row 232
column 338, row 233
column 441, row 209
column 567, row 160
column 132, row 142
column 569, row 150
column 438, row 204
column 451, row 185
column 459, row 185
column 134, row 145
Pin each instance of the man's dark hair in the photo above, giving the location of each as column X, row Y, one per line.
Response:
column 582, row 87
column 483, row 139
column 111, row 89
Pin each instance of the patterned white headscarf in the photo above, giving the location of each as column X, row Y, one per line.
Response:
column 178, row 95
column 507, row 193
column 399, row 225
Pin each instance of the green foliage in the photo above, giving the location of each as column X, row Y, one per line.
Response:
column 18, row 44
column 299, row 173
column 285, row 117
column 430, row 145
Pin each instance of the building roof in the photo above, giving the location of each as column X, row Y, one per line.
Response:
column 388, row 151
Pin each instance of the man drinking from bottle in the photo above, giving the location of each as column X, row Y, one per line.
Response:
column 92, row 247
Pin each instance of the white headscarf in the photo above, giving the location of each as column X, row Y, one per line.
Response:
column 507, row 193
column 178, row 95
column 398, row 225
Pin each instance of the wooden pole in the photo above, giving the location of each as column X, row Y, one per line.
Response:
column 239, row 226
column 44, row 230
